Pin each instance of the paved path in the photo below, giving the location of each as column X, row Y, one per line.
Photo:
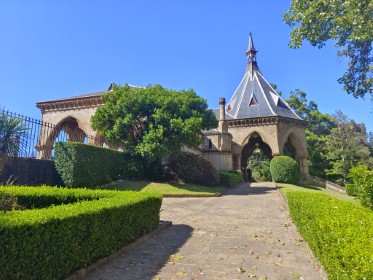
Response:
column 245, row 234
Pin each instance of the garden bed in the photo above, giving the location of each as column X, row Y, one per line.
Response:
column 66, row 229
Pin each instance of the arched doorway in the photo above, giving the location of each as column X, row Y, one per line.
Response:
column 255, row 149
column 67, row 130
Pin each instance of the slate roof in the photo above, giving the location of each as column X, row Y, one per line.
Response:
column 254, row 96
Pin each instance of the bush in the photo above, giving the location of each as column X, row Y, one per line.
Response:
column 363, row 180
column 338, row 232
column 192, row 169
column 82, row 165
column 351, row 189
column 50, row 243
column 284, row 169
column 231, row 178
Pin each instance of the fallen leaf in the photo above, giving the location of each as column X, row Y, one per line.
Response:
column 240, row 270
column 250, row 275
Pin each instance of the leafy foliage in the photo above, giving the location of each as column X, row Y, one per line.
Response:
column 346, row 22
column 338, row 232
column 71, row 235
column 363, row 182
column 258, row 163
column 284, row 169
column 12, row 131
column 82, row 165
column 9, row 203
column 345, row 147
column 230, row 179
column 193, row 169
column 153, row 121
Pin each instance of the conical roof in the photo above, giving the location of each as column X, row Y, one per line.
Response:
column 255, row 97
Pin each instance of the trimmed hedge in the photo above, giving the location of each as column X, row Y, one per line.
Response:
column 284, row 169
column 82, row 165
column 339, row 233
column 230, row 178
column 50, row 243
column 363, row 180
column 192, row 169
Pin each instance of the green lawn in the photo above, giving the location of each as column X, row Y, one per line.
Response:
column 286, row 188
column 166, row 189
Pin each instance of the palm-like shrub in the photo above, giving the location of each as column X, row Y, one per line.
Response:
column 12, row 133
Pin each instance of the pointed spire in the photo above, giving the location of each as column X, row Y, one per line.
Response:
column 251, row 51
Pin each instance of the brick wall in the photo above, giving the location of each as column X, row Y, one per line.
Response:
column 29, row 171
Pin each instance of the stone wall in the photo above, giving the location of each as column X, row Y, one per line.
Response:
column 29, row 171
column 327, row 184
column 221, row 160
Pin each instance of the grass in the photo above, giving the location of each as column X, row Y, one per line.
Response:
column 166, row 189
column 287, row 188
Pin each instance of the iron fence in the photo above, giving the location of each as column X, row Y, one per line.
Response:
column 29, row 136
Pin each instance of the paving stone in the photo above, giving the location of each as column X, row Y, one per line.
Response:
column 245, row 233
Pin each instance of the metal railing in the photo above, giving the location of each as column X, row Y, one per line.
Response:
column 30, row 136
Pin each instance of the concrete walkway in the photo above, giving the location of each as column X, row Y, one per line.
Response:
column 245, row 234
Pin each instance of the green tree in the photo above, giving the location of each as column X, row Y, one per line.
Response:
column 349, row 24
column 258, row 163
column 345, row 147
column 153, row 121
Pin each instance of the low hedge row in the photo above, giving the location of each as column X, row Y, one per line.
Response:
column 82, row 165
column 339, row 233
column 230, row 178
column 51, row 242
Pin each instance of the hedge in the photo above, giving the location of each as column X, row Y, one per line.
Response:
column 51, row 242
column 284, row 169
column 82, row 165
column 363, row 181
column 230, row 178
column 339, row 233
column 351, row 189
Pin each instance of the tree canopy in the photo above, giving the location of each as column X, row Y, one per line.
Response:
column 349, row 24
column 153, row 121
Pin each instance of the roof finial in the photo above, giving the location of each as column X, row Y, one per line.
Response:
column 251, row 52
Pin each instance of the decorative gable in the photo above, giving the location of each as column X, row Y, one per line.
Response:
column 253, row 101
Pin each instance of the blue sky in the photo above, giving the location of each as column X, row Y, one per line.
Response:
column 56, row 49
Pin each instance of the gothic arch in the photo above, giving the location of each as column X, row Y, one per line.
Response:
column 49, row 133
column 298, row 142
column 252, row 142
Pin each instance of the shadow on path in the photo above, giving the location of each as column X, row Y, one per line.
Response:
column 251, row 188
column 146, row 260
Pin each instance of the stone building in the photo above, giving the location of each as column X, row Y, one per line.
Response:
column 255, row 117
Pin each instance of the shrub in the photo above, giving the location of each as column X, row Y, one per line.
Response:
column 338, row 232
column 82, row 165
column 284, row 169
column 192, row 169
column 363, row 180
column 51, row 242
column 230, row 179
column 351, row 189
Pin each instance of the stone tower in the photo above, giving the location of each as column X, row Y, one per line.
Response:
column 255, row 117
